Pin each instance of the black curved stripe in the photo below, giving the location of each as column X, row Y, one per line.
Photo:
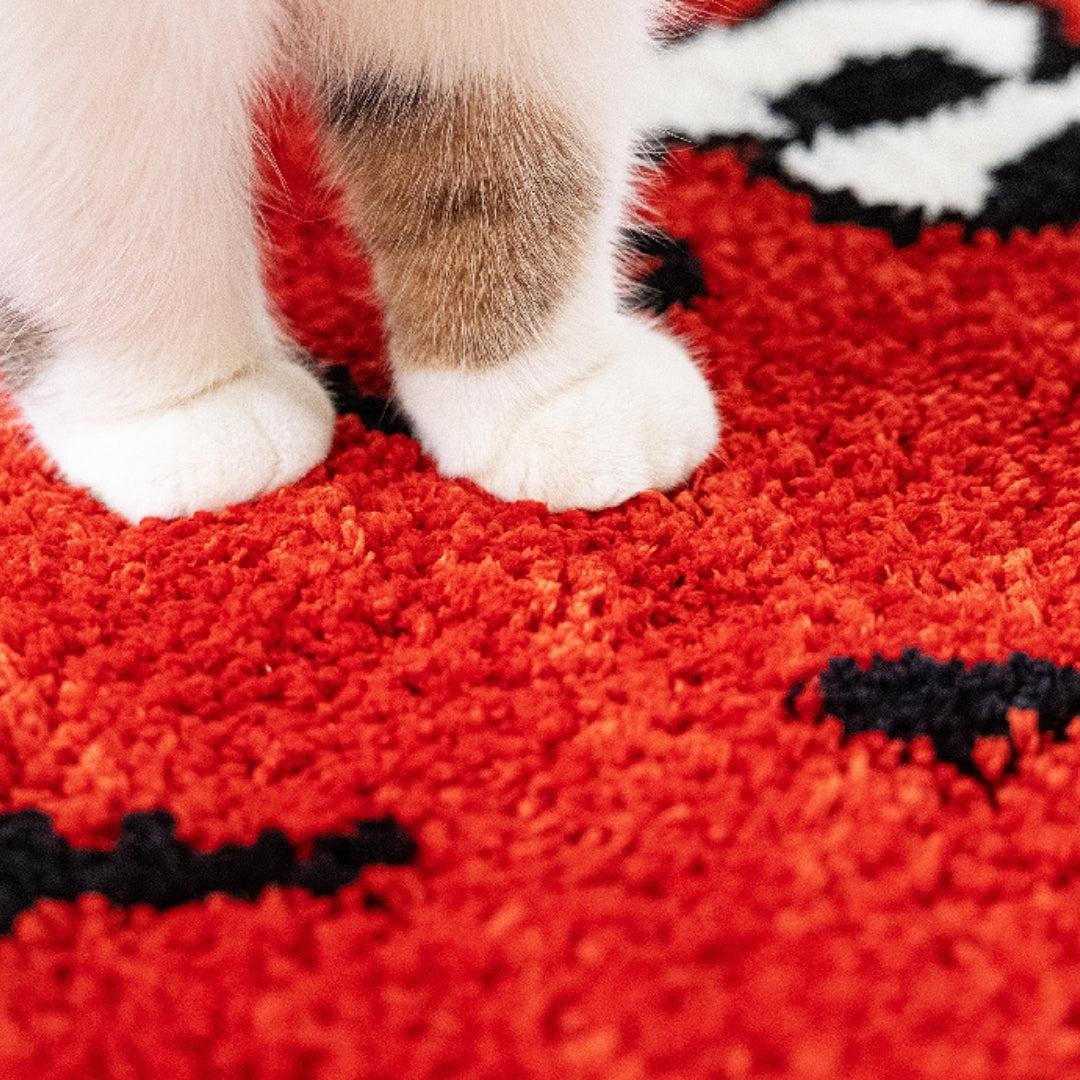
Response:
column 1039, row 189
column 951, row 704
column 675, row 275
column 375, row 413
column 149, row 865
column 885, row 89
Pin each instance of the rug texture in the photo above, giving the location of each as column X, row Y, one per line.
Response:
column 778, row 775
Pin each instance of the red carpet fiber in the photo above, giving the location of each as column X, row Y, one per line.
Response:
column 776, row 776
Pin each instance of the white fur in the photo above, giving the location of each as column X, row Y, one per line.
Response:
column 126, row 229
column 250, row 434
column 596, row 414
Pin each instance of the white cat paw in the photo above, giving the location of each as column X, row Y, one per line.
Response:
column 630, row 411
column 230, row 443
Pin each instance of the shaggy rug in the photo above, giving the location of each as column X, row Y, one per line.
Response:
column 774, row 776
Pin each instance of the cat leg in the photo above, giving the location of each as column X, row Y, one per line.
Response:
column 487, row 168
column 140, row 348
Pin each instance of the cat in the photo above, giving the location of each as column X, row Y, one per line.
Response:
column 486, row 152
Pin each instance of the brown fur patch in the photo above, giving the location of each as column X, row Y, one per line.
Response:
column 24, row 347
column 476, row 208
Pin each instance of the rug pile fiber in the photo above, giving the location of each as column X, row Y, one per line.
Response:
column 775, row 776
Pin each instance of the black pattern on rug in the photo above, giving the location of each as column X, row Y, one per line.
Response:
column 150, row 865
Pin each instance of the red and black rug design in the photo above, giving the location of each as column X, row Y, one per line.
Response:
column 777, row 775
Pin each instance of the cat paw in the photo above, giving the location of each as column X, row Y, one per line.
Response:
column 228, row 444
column 630, row 412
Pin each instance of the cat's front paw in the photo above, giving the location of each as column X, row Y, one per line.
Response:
column 232, row 442
column 629, row 411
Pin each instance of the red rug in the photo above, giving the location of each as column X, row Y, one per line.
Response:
column 775, row 776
